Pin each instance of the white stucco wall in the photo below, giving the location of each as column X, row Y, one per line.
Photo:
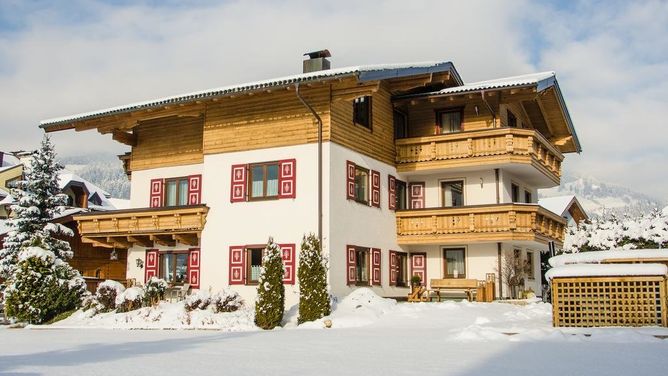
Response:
column 479, row 187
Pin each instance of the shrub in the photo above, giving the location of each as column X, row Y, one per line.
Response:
column 226, row 301
column 106, row 294
column 155, row 291
column 313, row 296
column 270, row 303
column 197, row 300
column 130, row 299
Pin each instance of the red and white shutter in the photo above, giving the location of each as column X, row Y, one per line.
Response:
column 151, row 264
column 393, row 268
column 351, row 262
column 237, row 265
column 287, row 178
column 157, row 193
column 392, row 188
column 419, row 266
column 375, row 266
column 350, row 180
column 194, row 189
column 375, row 188
column 193, row 267
column 288, row 255
column 238, row 186
column 416, row 191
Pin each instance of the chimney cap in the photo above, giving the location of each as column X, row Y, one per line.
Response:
column 317, row 54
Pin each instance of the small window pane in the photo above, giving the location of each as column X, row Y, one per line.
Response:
column 255, row 264
column 181, row 273
column 361, row 184
column 401, row 195
column 362, row 266
column 170, row 193
column 400, row 125
column 455, row 263
column 453, row 193
column 183, row 192
column 527, row 197
column 272, row 180
column 362, row 111
column 515, row 192
column 257, row 182
column 450, row 121
column 167, row 267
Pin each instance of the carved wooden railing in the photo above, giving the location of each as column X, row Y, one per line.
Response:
column 480, row 222
column 458, row 147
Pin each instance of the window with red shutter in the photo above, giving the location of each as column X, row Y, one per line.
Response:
column 375, row 266
column 419, row 266
column 194, row 189
column 237, row 265
column 351, row 258
column 287, row 178
column 416, row 192
column 150, row 264
column 350, row 180
column 393, row 268
column 238, row 186
column 392, row 189
column 375, row 188
column 193, row 267
column 157, row 191
column 288, row 254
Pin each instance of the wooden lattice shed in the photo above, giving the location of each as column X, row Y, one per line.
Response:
column 593, row 295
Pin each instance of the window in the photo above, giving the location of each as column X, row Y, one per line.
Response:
column 454, row 263
column 176, row 192
column 401, row 195
column 362, row 266
column 263, row 181
column 362, row 111
column 402, row 269
column 514, row 192
column 254, row 264
column 512, row 120
column 449, row 121
column 174, row 267
column 527, row 197
column 361, row 184
column 400, row 125
column 453, row 193
column 529, row 265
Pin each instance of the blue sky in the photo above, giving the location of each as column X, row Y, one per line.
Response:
column 611, row 59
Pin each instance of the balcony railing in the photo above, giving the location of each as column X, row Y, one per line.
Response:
column 480, row 223
column 476, row 147
column 124, row 228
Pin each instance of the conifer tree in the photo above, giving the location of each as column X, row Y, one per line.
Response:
column 312, row 273
column 270, row 303
column 37, row 201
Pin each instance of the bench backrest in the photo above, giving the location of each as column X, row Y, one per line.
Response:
column 454, row 283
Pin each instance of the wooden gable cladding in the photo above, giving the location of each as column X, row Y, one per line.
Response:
column 265, row 120
column 377, row 142
column 170, row 141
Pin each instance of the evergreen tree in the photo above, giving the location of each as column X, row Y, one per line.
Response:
column 270, row 290
column 312, row 273
column 38, row 200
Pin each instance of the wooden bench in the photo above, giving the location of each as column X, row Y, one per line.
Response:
column 469, row 286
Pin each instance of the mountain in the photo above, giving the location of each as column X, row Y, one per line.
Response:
column 598, row 197
column 103, row 170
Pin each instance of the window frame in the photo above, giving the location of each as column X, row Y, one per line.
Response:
column 369, row 103
column 454, row 180
column 178, row 188
column 511, row 116
column 161, row 275
column 265, row 168
column 364, row 201
column 402, row 270
column 528, row 197
column 404, row 126
column 366, row 251
column 249, row 262
column 439, row 125
column 514, row 193
column 399, row 205
column 445, row 262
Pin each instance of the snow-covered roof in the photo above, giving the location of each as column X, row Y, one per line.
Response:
column 8, row 162
column 7, row 200
column 603, row 270
column 363, row 72
column 543, row 80
column 596, row 257
column 560, row 204
column 120, row 203
column 66, row 178
column 4, row 227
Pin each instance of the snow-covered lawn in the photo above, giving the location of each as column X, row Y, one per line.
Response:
column 370, row 336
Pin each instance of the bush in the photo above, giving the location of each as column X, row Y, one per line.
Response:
column 130, row 299
column 270, row 303
column 226, row 301
column 155, row 291
column 42, row 287
column 197, row 300
column 313, row 296
column 106, row 294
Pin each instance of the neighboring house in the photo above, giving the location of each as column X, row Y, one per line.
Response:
column 83, row 196
column 566, row 206
column 421, row 175
column 11, row 170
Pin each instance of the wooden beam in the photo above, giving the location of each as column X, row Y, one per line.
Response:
column 96, row 242
column 188, row 239
column 119, row 242
column 561, row 141
column 126, row 138
column 165, row 240
column 140, row 240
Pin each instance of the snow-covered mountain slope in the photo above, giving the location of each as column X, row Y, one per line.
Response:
column 599, row 197
column 103, row 170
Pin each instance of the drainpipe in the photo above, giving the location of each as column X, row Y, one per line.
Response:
column 491, row 110
column 319, row 120
column 498, row 249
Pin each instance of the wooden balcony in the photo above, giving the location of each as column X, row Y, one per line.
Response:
column 480, row 148
column 143, row 227
column 480, row 223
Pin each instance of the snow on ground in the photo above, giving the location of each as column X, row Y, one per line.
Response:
column 370, row 335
